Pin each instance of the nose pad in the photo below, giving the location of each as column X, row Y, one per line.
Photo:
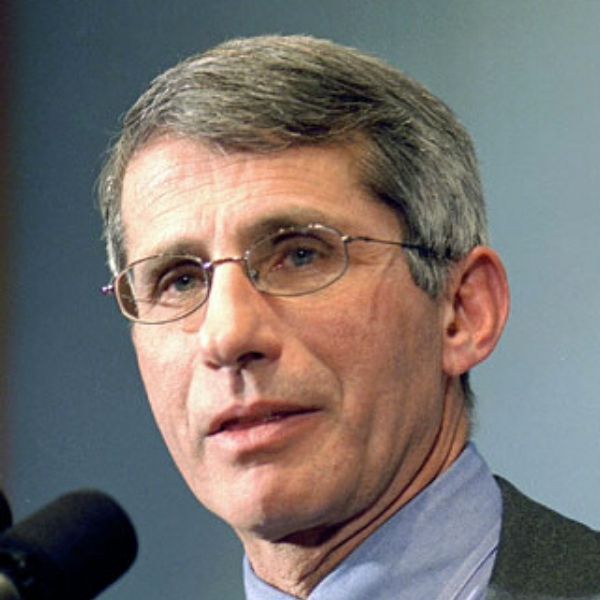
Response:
column 238, row 327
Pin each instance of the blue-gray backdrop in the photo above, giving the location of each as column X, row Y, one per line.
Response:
column 523, row 75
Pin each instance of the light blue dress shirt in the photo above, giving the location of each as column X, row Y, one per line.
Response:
column 441, row 545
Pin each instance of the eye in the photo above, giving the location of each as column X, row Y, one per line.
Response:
column 168, row 280
column 181, row 283
column 299, row 256
column 295, row 260
column 297, row 252
column 181, row 279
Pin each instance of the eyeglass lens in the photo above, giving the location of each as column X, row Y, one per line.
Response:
column 293, row 261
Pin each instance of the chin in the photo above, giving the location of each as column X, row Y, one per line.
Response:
column 260, row 518
column 264, row 502
column 283, row 516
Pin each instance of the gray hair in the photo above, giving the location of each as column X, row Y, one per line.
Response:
column 269, row 93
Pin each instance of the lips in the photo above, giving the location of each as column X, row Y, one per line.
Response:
column 255, row 415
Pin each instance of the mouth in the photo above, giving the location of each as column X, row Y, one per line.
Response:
column 255, row 416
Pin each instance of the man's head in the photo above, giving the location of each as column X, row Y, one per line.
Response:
column 269, row 93
column 266, row 94
column 340, row 400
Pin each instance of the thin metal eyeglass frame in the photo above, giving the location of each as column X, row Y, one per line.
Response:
column 209, row 267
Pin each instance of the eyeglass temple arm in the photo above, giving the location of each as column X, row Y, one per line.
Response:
column 422, row 250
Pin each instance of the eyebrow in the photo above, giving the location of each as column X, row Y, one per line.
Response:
column 270, row 223
column 292, row 217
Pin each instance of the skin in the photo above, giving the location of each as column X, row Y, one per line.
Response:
column 366, row 370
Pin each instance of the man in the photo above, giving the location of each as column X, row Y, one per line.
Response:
column 297, row 232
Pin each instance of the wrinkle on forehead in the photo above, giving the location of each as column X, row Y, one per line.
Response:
column 168, row 175
column 157, row 158
column 180, row 187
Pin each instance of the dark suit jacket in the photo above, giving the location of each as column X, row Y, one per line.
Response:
column 543, row 555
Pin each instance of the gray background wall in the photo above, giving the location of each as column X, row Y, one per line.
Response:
column 523, row 75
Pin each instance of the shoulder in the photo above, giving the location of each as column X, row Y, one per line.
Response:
column 542, row 553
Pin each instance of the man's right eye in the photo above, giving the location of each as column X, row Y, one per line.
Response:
column 181, row 280
column 178, row 282
column 182, row 283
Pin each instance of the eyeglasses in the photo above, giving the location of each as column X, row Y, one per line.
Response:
column 292, row 261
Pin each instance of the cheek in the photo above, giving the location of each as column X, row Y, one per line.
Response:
column 165, row 370
column 366, row 334
column 384, row 348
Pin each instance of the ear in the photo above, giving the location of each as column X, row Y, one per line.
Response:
column 476, row 308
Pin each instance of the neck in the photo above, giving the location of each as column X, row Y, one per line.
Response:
column 299, row 562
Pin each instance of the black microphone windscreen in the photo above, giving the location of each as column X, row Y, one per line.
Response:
column 72, row 549
column 5, row 514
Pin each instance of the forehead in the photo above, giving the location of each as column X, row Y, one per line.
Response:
column 178, row 191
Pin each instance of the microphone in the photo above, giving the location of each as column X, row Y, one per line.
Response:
column 72, row 549
column 5, row 514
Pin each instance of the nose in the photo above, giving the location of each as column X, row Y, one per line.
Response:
column 238, row 327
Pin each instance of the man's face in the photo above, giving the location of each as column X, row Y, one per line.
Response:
column 284, row 414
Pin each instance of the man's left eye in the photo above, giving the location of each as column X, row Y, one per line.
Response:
column 300, row 257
